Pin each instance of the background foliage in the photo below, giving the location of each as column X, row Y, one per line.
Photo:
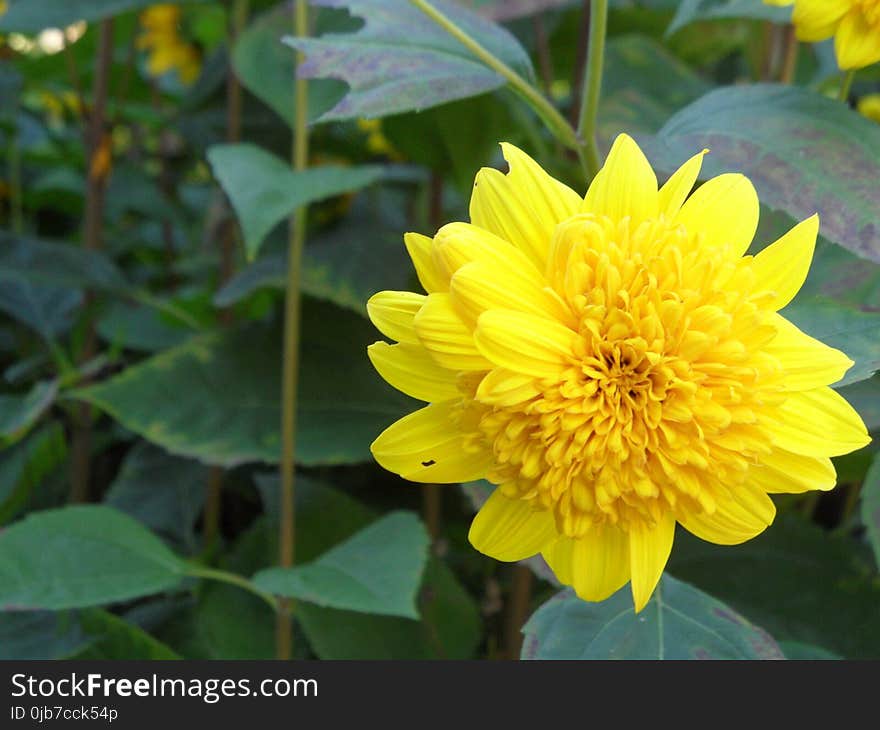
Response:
column 142, row 275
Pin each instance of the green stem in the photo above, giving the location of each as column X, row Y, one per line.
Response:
column 199, row 571
column 542, row 106
column 592, row 90
column 283, row 634
column 846, row 85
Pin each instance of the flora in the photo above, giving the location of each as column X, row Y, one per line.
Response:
column 613, row 395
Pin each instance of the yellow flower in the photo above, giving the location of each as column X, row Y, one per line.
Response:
column 615, row 363
column 167, row 50
column 855, row 25
column 869, row 106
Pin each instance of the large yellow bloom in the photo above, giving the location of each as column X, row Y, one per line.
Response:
column 855, row 25
column 614, row 363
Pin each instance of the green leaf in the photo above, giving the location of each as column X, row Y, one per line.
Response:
column 216, row 398
column 52, row 263
column 871, row 507
column 643, row 85
column 82, row 556
column 265, row 66
column 35, row 15
column 264, row 190
column 48, row 310
column 796, row 580
column 450, row 626
column 679, row 622
column 115, row 638
column 138, row 327
column 510, row 9
column 400, row 60
column 163, row 492
column 19, row 412
column 693, row 10
column 796, row 650
column 40, row 635
column 847, row 329
column 24, row 467
column 376, row 571
column 333, row 268
column 808, row 154
column 866, row 396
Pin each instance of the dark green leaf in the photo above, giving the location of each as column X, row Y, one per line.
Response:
column 164, row 492
column 796, row 650
column 346, row 577
column 871, row 507
column 808, row 154
column 679, row 622
column 266, row 66
column 82, row 556
column 216, row 398
column 40, row 635
column 19, row 412
column 34, row 15
column 692, row 10
column 264, row 190
column 24, row 467
column 115, row 638
column 51, row 263
column 796, row 580
column 400, row 60
column 138, row 327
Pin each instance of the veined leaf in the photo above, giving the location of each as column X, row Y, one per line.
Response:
column 82, row 556
column 264, row 190
column 679, row 622
column 400, row 60
column 377, row 571
column 808, row 154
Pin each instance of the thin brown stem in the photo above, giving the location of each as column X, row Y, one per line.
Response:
column 517, row 609
column 213, row 506
column 790, row 56
column 97, row 141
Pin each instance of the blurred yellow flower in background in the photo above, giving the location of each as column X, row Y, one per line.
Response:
column 615, row 363
column 854, row 24
column 869, row 106
column 167, row 50
column 377, row 142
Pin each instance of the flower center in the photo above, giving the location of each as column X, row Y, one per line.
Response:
column 666, row 377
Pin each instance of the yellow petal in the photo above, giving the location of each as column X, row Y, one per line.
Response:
column 550, row 200
column 394, row 312
column 511, row 529
column 739, row 517
column 595, row 565
column 446, row 338
column 505, row 388
column 782, row 267
column 523, row 342
column 428, row 446
column 808, row 363
column 816, row 20
column 725, row 211
column 411, row 370
column 497, row 206
column 458, row 244
column 649, row 548
column 782, row 472
column 481, row 286
column 419, row 248
column 625, row 186
column 676, row 189
column 857, row 42
column 819, row 423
